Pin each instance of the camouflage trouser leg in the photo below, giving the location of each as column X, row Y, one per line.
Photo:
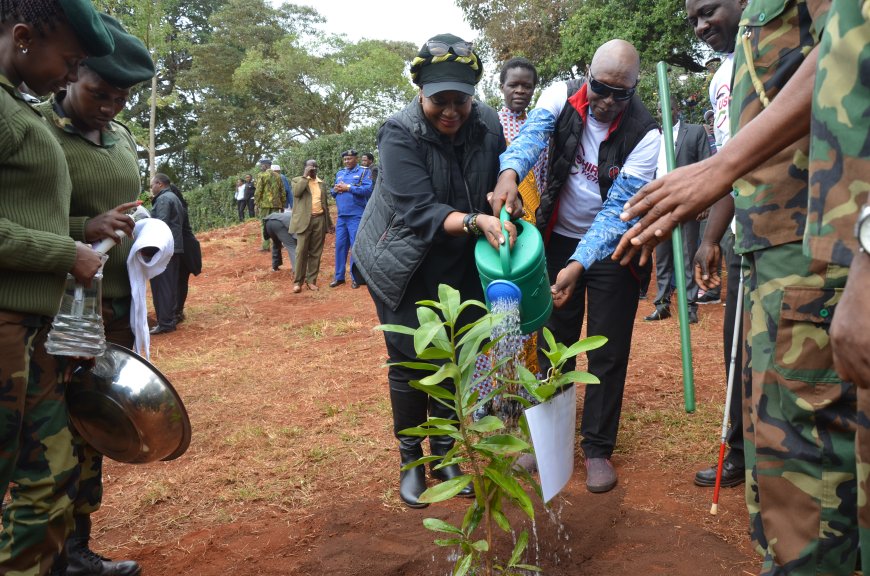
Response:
column 801, row 419
column 37, row 460
column 116, row 319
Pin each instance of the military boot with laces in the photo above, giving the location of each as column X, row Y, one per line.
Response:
column 82, row 561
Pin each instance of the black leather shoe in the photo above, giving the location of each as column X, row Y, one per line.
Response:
column 354, row 285
column 161, row 330
column 335, row 283
column 82, row 561
column 732, row 475
column 693, row 316
column 660, row 313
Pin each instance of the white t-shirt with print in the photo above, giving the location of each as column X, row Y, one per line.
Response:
column 720, row 97
column 580, row 198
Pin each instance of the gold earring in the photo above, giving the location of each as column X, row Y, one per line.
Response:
column 22, row 48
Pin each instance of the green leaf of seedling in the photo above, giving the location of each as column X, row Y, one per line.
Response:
column 501, row 444
column 529, row 567
column 416, row 431
column 513, row 489
column 481, row 546
column 519, row 548
column 577, row 376
column 419, row 461
column 396, row 328
column 428, row 304
column 545, row 391
column 450, row 301
column 447, row 371
column 548, row 337
column 472, row 518
column 501, row 521
column 445, row 490
column 584, row 345
column 449, row 542
column 432, row 390
column 433, row 353
column 486, row 424
column 417, row 365
column 462, row 565
column 437, row 525
column 441, row 422
column 426, row 333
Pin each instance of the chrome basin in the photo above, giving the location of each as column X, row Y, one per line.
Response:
column 127, row 410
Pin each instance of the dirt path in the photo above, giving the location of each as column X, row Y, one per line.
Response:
column 293, row 471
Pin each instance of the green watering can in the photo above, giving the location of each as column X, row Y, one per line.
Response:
column 519, row 274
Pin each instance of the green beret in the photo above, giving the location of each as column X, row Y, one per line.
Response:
column 88, row 27
column 129, row 64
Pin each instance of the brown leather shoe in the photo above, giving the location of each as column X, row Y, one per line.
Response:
column 312, row 287
column 600, row 475
column 297, row 288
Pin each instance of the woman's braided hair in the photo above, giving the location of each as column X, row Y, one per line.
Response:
column 41, row 14
column 420, row 61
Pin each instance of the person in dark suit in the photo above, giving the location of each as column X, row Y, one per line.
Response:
column 690, row 146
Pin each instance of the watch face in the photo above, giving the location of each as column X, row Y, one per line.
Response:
column 864, row 233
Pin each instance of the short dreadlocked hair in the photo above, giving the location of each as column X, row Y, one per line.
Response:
column 43, row 15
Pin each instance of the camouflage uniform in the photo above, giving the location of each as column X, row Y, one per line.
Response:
column 840, row 179
column 269, row 196
column 799, row 419
column 36, row 455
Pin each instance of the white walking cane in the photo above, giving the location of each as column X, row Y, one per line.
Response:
column 735, row 342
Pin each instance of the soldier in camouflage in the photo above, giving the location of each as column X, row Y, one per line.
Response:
column 800, row 420
column 839, row 176
column 269, row 196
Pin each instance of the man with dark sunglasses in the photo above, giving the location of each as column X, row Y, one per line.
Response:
column 605, row 147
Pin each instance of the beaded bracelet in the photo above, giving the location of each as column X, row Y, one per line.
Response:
column 469, row 224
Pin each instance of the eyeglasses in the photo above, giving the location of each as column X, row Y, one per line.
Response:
column 605, row 90
column 439, row 48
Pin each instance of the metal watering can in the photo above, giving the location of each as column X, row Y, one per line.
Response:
column 518, row 274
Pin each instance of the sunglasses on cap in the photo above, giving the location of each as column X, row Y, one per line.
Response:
column 605, row 90
column 439, row 48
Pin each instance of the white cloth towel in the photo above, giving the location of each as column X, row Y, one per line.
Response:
column 148, row 233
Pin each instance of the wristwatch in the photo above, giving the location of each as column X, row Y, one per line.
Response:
column 862, row 229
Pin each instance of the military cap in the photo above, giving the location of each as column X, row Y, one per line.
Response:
column 350, row 152
column 129, row 64
column 88, row 27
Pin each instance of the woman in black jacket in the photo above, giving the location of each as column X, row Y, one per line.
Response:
column 439, row 159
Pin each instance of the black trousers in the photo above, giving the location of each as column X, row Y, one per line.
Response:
column 735, row 408
column 665, row 261
column 183, row 287
column 609, row 292
column 164, row 289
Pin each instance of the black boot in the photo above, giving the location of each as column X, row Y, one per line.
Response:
column 82, row 561
column 412, row 482
column 441, row 445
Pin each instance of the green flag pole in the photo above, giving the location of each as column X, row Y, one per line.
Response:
column 677, row 242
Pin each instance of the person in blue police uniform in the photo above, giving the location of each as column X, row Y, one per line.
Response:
column 352, row 190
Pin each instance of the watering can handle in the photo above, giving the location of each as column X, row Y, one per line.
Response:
column 505, row 249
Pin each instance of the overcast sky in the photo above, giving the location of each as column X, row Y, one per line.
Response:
column 390, row 19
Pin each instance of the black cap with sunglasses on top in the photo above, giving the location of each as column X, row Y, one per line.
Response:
column 446, row 62
column 350, row 152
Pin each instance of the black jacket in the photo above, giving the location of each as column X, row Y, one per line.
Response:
column 416, row 190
